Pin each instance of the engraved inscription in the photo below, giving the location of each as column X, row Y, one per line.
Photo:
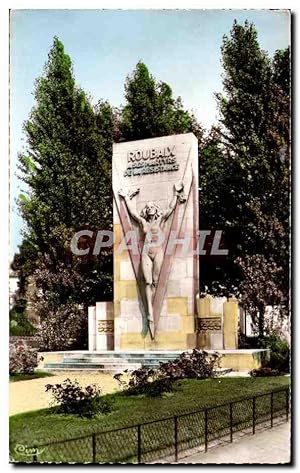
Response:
column 151, row 161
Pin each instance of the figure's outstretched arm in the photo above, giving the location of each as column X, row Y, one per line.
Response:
column 177, row 193
column 130, row 207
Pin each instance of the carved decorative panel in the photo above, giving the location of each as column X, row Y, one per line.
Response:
column 209, row 323
column 106, row 326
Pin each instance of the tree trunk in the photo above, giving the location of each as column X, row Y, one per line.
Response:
column 261, row 319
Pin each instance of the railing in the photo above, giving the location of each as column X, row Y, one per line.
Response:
column 171, row 437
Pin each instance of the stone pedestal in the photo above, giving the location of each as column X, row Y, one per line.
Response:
column 230, row 324
column 217, row 323
column 92, row 328
column 101, row 326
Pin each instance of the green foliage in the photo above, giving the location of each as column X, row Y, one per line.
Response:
column 158, row 387
column 198, row 364
column 24, row 263
column 13, row 378
column 145, row 381
column 18, row 322
column 279, row 353
column 67, row 170
column 279, row 358
column 70, row 146
column 244, row 166
column 72, row 398
column 151, row 110
column 262, row 372
column 218, row 209
column 154, row 382
column 47, row 425
column 258, row 165
column 259, row 287
column 63, row 327
column 19, row 325
column 247, row 80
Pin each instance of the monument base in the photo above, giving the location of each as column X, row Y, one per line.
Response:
column 116, row 326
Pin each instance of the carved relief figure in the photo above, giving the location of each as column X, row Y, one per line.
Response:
column 151, row 221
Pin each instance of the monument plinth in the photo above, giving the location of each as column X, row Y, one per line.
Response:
column 155, row 185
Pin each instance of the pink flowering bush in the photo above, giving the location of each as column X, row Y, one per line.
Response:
column 22, row 359
column 71, row 398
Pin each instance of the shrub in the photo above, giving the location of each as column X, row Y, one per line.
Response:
column 279, row 353
column 246, row 342
column 62, row 317
column 19, row 325
column 263, row 372
column 198, row 364
column 21, row 328
column 139, row 381
column 60, row 327
column 72, row 398
column 154, row 382
column 145, row 381
column 159, row 386
column 279, row 350
column 22, row 359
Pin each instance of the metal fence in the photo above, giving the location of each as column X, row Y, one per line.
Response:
column 171, row 438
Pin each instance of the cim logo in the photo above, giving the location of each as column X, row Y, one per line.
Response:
column 28, row 451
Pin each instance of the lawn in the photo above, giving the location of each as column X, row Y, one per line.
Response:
column 40, row 427
column 24, row 377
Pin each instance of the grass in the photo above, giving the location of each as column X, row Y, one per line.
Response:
column 43, row 426
column 24, row 377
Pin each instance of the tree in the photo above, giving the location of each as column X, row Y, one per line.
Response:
column 151, row 110
column 243, row 116
column 24, row 264
column 251, row 153
column 218, row 275
column 254, row 133
column 254, row 142
column 259, row 288
column 67, row 169
column 63, row 320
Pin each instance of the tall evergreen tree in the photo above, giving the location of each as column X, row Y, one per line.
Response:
column 67, row 169
column 253, row 151
column 151, row 110
column 251, row 115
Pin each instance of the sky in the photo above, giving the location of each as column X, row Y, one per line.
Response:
column 180, row 47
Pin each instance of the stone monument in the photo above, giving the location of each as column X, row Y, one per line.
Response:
column 155, row 186
column 157, row 311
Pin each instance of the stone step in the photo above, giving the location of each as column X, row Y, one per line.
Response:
column 91, row 360
column 79, row 366
column 222, row 371
column 109, row 368
column 124, row 355
column 97, row 360
column 86, row 370
column 115, row 360
column 99, row 365
column 110, row 362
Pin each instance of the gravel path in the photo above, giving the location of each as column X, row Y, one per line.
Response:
column 30, row 395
